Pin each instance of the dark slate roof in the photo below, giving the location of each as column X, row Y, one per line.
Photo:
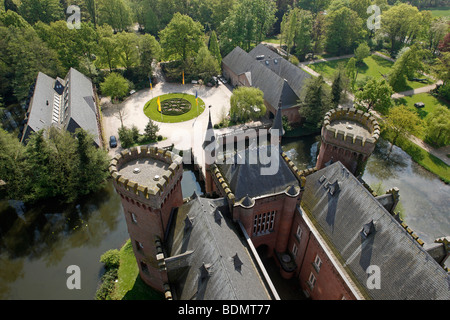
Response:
column 82, row 104
column 207, row 259
column 407, row 270
column 278, row 81
column 246, row 178
column 41, row 105
column 81, row 112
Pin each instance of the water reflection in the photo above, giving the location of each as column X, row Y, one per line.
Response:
column 37, row 244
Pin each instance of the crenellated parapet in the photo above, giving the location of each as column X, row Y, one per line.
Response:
column 146, row 172
column 299, row 174
column 351, row 128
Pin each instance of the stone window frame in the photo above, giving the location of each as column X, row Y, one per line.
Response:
column 264, row 223
column 311, row 281
column 317, row 264
column 298, row 234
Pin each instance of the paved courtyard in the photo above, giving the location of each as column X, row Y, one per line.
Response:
column 132, row 110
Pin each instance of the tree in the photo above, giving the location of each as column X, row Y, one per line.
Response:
column 126, row 137
column 296, row 29
column 362, row 52
column 206, row 65
column 182, row 38
column 115, row 86
column 248, row 21
column 315, row 6
column 108, row 52
column 127, row 47
column 115, row 13
column 41, row 10
column 338, row 87
column 399, row 23
column 351, row 72
column 444, row 44
column 151, row 130
column 438, row 126
column 401, row 121
column 149, row 49
column 376, row 94
column 214, row 47
column 315, row 102
column 247, row 103
column 22, row 56
column 344, row 29
column 410, row 62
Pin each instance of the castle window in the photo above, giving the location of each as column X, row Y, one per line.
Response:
column 298, row 235
column 133, row 217
column 294, row 250
column 139, row 245
column 311, row 281
column 264, row 223
column 144, row 267
column 317, row 263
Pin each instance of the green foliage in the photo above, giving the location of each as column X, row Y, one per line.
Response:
column 315, row 102
column 401, row 121
column 296, row 29
column 214, row 47
column 111, row 259
column 438, row 127
column 53, row 165
column 206, row 65
column 182, row 38
column 376, row 94
column 151, row 130
column 344, row 30
column 248, row 22
column 409, row 63
column 247, row 104
column 115, row 13
column 115, row 86
column 41, row 10
column 362, row 52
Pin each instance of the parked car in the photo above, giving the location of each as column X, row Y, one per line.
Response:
column 222, row 78
column 112, row 142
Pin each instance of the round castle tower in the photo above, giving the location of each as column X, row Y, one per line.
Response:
column 348, row 136
column 148, row 181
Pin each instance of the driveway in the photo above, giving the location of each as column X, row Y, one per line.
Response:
column 132, row 111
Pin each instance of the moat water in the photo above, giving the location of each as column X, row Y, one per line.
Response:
column 38, row 244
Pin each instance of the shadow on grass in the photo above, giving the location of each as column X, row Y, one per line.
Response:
column 141, row 291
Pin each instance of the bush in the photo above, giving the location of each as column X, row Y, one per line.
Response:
column 111, row 259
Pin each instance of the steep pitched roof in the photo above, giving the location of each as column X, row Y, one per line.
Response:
column 82, row 104
column 244, row 175
column 365, row 234
column 207, row 259
column 277, row 78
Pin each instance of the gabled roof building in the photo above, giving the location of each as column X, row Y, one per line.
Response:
column 279, row 80
column 67, row 104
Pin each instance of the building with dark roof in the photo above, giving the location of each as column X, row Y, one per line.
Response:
column 67, row 104
column 324, row 229
column 279, row 80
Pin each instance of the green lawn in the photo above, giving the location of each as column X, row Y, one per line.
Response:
column 374, row 66
column 439, row 12
column 129, row 285
column 151, row 108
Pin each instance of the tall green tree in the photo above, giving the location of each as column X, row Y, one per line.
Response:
column 214, row 47
column 149, row 49
column 115, row 13
column 206, row 65
column 399, row 23
column 401, row 121
column 344, row 30
column 41, row 10
column 315, row 6
column 315, row 102
column 127, row 47
column 247, row 103
column 438, row 126
column 376, row 94
column 248, row 22
column 108, row 53
column 296, row 29
column 115, row 86
column 182, row 38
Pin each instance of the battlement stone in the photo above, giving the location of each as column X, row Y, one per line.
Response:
column 156, row 175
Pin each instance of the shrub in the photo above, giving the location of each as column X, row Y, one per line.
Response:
column 111, row 259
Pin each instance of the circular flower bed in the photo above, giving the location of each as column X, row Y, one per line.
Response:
column 175, row 107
